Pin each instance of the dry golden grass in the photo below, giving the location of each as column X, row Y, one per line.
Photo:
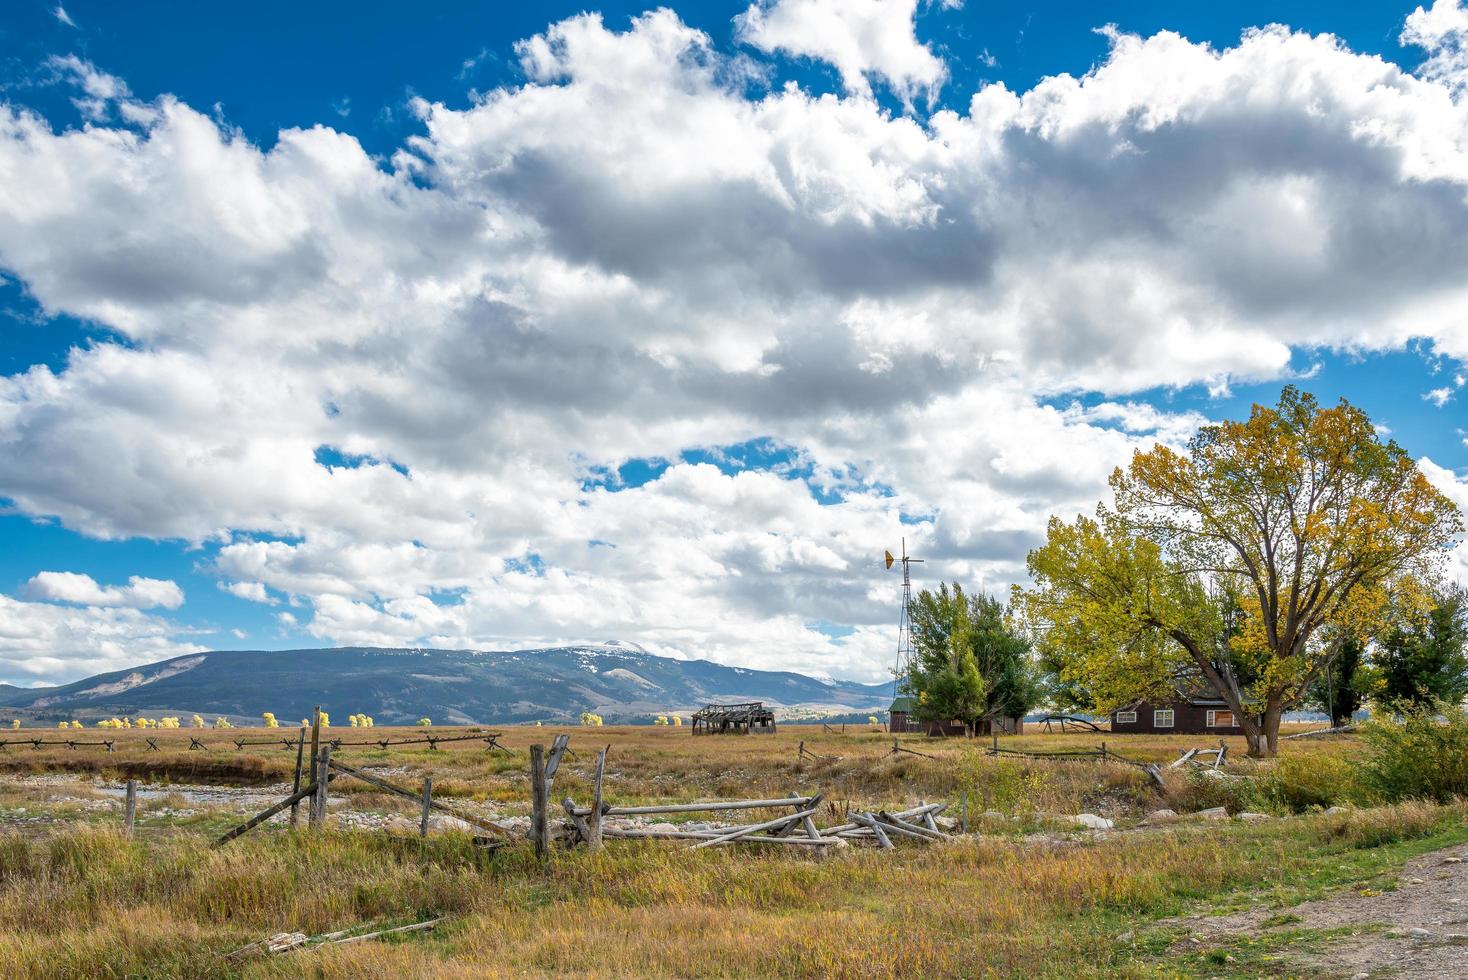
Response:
column 78, row 900
column 87, row 903
column 648, row 763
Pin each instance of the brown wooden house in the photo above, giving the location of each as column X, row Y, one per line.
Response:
column 1182, row 715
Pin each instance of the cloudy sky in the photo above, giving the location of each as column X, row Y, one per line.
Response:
column 509, row 324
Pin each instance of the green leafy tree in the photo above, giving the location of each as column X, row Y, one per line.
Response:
column 967, row 662
column 1421, row 659
column 1300, row 515
column 1342, row 685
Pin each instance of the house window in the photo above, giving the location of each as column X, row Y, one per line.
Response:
column 1126, row 717
column 1220, row 719
column 1162, row 718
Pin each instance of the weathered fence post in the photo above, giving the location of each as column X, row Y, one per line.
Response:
column 427, row 805
column 995, row 733
column 593, row 822
column 311, row 816
column 130, row 808
column 296, row 785
column 323, row 782
column 539, row 819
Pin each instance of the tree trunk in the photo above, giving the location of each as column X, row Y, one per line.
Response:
column 1273, row 711
column 1255, row 733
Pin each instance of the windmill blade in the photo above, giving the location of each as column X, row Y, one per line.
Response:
column 890, row 559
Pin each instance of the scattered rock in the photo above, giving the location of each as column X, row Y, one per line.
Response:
column 993, row 815
column 1252, row 817
column 1160, row 816
column 1452, row 860
column 1360, row 976
column 1212, row 813
column 664, row 828
column 1092, row 821
column 1126, row 937
column 1335, row 809
column 1413, row 881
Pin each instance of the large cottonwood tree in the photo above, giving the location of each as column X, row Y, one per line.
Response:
column 1300, row 520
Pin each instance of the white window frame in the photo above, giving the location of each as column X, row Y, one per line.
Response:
column 1213, row 718
column 1126, row 717
column 1159, row 713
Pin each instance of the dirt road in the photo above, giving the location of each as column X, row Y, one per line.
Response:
column 1418, row 930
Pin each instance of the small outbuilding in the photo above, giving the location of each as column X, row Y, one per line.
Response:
column 900, row 719
column 741, row 719
column 899, row 716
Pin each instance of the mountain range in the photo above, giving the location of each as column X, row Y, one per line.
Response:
column 619, row 681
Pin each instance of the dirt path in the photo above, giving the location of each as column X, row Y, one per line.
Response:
column 1419, row 930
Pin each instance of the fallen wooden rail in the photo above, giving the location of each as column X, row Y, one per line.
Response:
column 265, row 815
column 630, row 811
column 287, row 942
column 1339, row 730
column 898, row 749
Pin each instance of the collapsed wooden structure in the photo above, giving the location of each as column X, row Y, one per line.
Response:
column 742, row 719
column 796, row 828
column 1196, row 757
column 1068, row 722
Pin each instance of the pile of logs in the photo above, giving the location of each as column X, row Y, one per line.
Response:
column 796, row 828
column 918, row 823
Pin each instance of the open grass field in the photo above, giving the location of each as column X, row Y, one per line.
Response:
column 1026, row 893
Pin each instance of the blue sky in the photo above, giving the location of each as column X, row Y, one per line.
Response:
column 367, row 328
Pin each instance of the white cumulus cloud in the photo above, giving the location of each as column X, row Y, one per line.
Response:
column 860, row 38
column 139, row 593
column 630, row 258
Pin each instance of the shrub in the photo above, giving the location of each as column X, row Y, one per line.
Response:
column 1299, row 782
column 425, row 722
column 1201, row 791
column 1377, row 826
column 1421, row 754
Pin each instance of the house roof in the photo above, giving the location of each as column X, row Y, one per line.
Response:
column 903, row 703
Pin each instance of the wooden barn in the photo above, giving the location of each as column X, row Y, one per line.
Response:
column 900, row 719
column 741, row 719
column 1183, row 715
